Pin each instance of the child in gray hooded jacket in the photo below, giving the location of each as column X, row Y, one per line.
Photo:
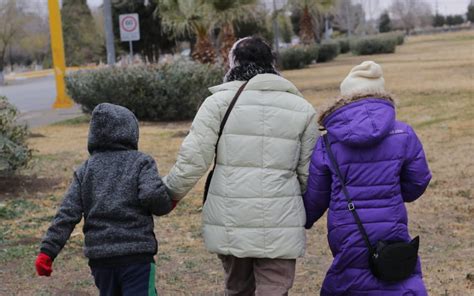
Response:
column 117, row 190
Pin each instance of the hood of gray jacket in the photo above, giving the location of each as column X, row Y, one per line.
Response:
column 112, row 128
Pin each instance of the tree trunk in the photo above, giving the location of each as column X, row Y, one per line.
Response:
column 326, row 28
column 228, row 40
column 2, row 65
column 204, row 51
column 306, row 27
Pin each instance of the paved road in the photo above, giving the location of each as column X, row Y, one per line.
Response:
column 31, row 94
column 34, row 99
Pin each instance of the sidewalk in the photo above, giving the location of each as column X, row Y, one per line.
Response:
column 45, row 117
column 42, row 73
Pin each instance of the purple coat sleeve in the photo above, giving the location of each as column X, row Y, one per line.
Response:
column 415, row 174
column 318, row 193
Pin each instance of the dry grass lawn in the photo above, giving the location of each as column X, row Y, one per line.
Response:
column 432, row 76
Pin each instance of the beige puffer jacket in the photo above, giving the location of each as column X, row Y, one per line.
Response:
column 254, row 207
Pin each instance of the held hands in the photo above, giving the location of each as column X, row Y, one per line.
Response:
column 44, row 265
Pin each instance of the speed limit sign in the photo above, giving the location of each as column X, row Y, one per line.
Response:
column 129, row 27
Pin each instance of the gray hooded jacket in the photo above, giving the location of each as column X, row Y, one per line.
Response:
column 116, row 190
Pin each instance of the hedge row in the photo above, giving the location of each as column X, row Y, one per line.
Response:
column 328, row 51
column 373, row 45
column 377, row 44
column 156, row 93
column 344, row 45
column 400, row 36
column 299, row 57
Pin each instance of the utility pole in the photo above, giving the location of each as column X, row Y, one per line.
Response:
column 109, row 32
column 276, row 29
column 57, row 49
column 349, row 17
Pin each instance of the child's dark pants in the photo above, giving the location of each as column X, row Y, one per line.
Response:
column 128, row 280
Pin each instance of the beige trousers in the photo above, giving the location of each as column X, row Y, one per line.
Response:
column 257, row 276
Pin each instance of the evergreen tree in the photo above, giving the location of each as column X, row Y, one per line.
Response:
column 470, row 13
column 439, row 20
column 385, row 24
column 153, row 39
column 453, row 20
column 81, row 41
column 458, row 19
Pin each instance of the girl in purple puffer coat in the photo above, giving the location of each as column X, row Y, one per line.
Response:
column 384, row 166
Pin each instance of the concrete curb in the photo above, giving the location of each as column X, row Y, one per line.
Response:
column 46, row 117
column 42, row 73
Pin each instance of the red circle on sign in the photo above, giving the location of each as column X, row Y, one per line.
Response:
column 134, row 21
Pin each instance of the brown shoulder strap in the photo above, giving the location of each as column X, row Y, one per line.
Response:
column 224, row 120
column 229, row 109
column 226, row 116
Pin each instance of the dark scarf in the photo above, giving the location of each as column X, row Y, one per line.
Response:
column 248, row 71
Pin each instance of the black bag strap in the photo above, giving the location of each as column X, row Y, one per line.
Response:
column 224, row 120
column 350, row 203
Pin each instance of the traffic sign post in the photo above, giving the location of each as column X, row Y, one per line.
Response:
column 129, row 29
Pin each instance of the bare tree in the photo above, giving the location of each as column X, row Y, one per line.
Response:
column 32, row 45
column 411, row 13
column 348, row 17
column 11, row 25
column 371, row 7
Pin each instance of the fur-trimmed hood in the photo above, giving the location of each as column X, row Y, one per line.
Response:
column 342, row 101
column 359, row 120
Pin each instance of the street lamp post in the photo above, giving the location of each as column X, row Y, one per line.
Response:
column 57, row 49
column 109, row 33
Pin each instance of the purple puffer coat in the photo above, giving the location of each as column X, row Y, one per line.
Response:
column 384, row 166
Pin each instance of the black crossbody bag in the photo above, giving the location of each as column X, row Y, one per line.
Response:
column 224, row 120
column 388, row 261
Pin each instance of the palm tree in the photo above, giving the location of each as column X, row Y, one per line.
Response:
column 311, row 13
column 225, row 13
column 189, row 17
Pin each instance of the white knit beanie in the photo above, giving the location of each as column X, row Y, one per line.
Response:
column 364, row 78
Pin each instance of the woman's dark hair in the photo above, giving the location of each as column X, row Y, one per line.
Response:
column 250, row 57
column 253, row 50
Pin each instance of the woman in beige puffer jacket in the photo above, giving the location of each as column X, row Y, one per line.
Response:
column 254, row 215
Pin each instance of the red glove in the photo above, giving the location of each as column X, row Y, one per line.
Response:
column 173, row 204
column 44, row 265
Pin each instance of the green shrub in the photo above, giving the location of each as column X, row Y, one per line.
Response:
column 374, row 45
column 328, row 51
column 298, row 57
column 400, row 37
column 344, row 45
column 14, row 152
column 167, row 92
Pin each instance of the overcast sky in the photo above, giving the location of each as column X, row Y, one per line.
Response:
column 444, row 6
